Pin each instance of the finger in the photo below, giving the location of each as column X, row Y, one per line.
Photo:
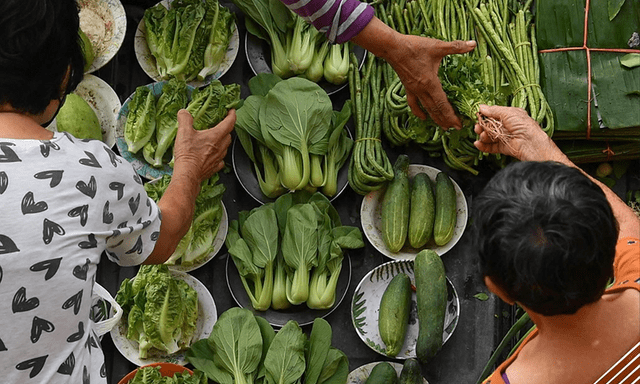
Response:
column 185, row 119
column 415, row 106
column 442, row 112
column 494, row 111
column 227, row 124
column 455, row 47
column 226, row 142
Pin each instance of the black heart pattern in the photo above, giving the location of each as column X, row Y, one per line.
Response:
column 87, row 189
column 155, row 235
column 0, row 274
column 49, row 228
column 74, row 301
column 66, row 368
column 82, row 212
column 148, row 202
column 51, row 266
column 90, row 160
column 8, row 155
column 122, row 225
column 35, row 365
column 134, row 204
column 54, row 176
column 137, row 178
column 38, row 326
column 29, row 204
column 7, row 245
column 21, row 303
column 103, row 370
column 91, row 243
column 80, row 271
column 46, row 147
column 118, row 187
column 91, row 343
column 2, row 346
column 4, row 181
column 85, row 376
column 107, row 217
column 78, row 335
column 137, row 248
column 113, row 157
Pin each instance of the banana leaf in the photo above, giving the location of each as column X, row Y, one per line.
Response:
column 615, row 103
column 589, row 151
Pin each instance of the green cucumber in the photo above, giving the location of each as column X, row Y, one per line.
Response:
column 411, row 372
column 422, row 210
column 394, row 210
column 382, row 373
column 393, row 316
column 446, row 210
column 431, row 298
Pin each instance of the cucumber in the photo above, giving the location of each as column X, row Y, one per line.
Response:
column 394, row 210
column 382, row 373
column 422, row 210
column 393, row 316
column 431, row 298
column 411, row 372
column 446, row 210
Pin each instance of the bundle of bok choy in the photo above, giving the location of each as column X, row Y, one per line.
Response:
column 290, row 252
column 292, row 135
column 190, row 39
column 297, row 48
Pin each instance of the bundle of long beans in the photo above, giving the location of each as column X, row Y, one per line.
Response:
column 505, row 62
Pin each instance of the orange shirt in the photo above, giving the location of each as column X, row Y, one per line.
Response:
column 626, row 270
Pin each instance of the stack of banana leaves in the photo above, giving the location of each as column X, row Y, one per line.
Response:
column 502, row 70
column 602, row 123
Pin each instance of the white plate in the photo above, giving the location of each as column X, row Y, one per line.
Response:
column 246, row 174
column 105, row 103
column 148, row 62
column 300, row 313
column 207, row 317
column 365, row 308
column 109, row 20
column 217, row 244
column 361, row 374
column 141, row 166
column 258, row 54
column 371, row 220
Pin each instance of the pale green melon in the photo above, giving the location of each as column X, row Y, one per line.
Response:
column 87, row 50
column 78, row 118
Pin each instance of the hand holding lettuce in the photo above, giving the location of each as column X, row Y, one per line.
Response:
column 245, row 349
column 160, row 311
column 290, row 252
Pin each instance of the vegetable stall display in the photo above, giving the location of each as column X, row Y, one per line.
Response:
column 292, row 135
column 188, row 39
column 290, row 252
column 243, row 348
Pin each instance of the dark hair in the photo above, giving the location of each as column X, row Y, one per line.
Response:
column 39, row 40
column 546, row 235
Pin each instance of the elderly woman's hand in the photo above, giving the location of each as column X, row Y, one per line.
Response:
column 202, row 153
column 520, row 136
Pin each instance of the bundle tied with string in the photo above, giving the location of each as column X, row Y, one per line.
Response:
column 595, row 97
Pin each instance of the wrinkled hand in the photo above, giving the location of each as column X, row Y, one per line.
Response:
column 417, row 63
column 202, row 153
column 522, row 137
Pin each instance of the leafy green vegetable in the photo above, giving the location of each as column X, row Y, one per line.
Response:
column 284, row 362
column 299, row 248
column 161, row 310
column 336, row 65
column 152, row 375
column 174, row 97
column 481, row 296
column 141, row 119
column 197, row 243
column 209, row 105
column 188, row 40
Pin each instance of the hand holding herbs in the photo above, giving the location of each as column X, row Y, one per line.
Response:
column 245, row 349
column 190, row 39
column 290, row 252
column 197, row 244
column 160, row 311
column 292, row 135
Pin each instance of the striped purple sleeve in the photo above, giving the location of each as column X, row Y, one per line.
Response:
column 340, row 20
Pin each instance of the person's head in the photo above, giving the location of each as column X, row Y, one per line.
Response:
column 39, row 44
column 546, row 236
